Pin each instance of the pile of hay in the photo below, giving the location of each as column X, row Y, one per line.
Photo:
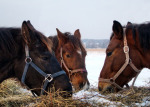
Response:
column 13, row 95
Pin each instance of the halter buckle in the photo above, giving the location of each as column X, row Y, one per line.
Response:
column 70, row 73
column 112, row 80
column 126, row 49
column 28, row 60
column 61, row 58
column 49, row 77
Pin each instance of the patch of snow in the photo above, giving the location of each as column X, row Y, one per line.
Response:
column 94, row 97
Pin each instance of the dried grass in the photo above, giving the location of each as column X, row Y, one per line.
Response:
column 11, row 95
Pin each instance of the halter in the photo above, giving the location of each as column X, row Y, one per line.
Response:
column 48, row 77
column 70, row 72
column 128, row 61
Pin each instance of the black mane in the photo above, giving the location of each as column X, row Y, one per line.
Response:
column 8, row 46
column 143, row 31
column 7, row 40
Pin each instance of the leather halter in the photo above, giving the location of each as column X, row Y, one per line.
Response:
column 48, row 77
column 70, row 72
column 128, row 61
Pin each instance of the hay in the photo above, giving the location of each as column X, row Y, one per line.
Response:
column 11, row 95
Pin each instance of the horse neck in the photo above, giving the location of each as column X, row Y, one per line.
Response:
column 146, row 59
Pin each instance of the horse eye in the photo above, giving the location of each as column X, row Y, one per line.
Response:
column 45, row 58
column 68, row 56
column 38, row 45
column 109, row 53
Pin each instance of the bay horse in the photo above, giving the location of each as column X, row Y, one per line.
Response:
column 127, row 54
column 26, row 54
column 71, row 54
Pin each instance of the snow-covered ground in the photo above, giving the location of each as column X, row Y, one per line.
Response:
column 94, row 64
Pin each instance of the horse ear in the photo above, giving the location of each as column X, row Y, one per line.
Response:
column 118, row 29
column 30, row 25
column 61, row 37
column 77, row 34
column 27, row 33
column 129, row 23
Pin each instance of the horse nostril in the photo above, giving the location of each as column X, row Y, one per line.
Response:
column 99, row 88
column 81, row 85
column 110, row 89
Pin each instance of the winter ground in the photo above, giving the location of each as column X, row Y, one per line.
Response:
column 94, row 63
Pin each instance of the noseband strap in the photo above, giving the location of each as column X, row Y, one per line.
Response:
column 70, row 72
column 128, row 61
column 48, row 77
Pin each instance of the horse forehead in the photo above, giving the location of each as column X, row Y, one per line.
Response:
column 71, row 48
column 74, row 48
column 114, row 43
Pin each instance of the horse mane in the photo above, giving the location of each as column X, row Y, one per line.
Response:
column 7, row 42
column 143, row 31
column 74, row 40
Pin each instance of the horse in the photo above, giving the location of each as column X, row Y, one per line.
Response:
column 127, row 54
column 26, row 54
column 71, row 54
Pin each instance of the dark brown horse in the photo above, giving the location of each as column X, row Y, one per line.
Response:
column 71, row 54
column 26, row 54
column 126, row 55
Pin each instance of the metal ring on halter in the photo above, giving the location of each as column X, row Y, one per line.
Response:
column 70, row 73
column 112, row 80
column 61, row 58
column 28, row 60
column 49, row 77
column 126, row 49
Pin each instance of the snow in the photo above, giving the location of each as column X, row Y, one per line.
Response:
column 95, row 97
column 94, row 64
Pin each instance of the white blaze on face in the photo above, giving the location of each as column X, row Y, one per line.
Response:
column 79, row 51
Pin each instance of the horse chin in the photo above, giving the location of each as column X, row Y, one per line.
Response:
column 76, row 88
column 83, row 87
column 107, row 89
